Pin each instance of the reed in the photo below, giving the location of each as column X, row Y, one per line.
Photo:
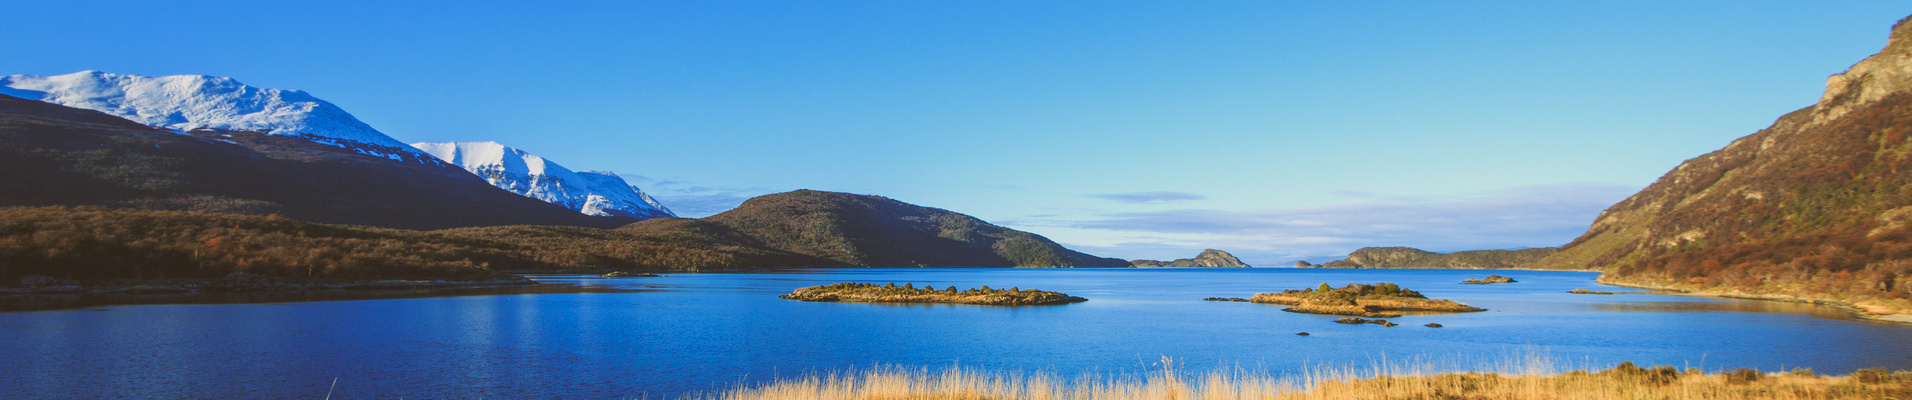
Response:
column 1526, row 377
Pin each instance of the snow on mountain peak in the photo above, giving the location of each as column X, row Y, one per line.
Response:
column 599, row 193
column 188, row 102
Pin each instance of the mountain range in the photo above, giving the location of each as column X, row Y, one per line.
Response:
column 600, row 193
column 213, row 190
column 197, row 103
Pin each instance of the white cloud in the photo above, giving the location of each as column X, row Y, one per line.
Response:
column 1514, row 218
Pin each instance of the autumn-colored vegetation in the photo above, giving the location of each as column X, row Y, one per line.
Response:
column 909, row 293
column 1814, row 207
column 1521, row 382
column 1380, row 300
column 90, row 243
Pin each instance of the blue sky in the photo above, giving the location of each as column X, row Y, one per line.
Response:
column 1277, row 130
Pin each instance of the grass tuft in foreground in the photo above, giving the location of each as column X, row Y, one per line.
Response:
column 909, row 293
column 1625, row 381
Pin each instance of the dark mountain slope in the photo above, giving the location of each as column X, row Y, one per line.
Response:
column 1816, row 205
column 56, row 155
column 880, row 232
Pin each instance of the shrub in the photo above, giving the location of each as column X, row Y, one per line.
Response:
column 1742, row 376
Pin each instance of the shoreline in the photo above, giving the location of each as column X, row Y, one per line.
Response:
column 1856, row 311
column 260, row 290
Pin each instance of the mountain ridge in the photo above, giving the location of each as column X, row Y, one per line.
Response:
column 65, row 156
column 1412, row 258
column 599, row 193
column 1815, row 205
column 839, row 226
column 1209, row 258
column 193, row 102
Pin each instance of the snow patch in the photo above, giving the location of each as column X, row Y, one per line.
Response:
column 188, row 102
column 598, row 193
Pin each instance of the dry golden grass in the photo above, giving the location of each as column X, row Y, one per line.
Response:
column 1527, row 378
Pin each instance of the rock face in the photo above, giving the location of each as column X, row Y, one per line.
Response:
column 1209, row 258
column 1408, row 257
column 1817, row 203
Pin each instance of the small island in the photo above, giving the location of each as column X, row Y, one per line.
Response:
column 1585, row 291
column 629, row 274
column 909, row 293
column 1489, row 279
column 1380, row 300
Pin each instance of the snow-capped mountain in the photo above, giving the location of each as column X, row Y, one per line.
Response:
column 189, row 102
column 599, row 193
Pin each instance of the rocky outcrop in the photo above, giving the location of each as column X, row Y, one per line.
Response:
column 1209, row 258
column 1408, row 257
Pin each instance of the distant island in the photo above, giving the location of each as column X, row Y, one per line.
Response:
column 1408, row 257
column 1489, row 279
column 909, row 293
column 1379, row 300
column 1209, row 258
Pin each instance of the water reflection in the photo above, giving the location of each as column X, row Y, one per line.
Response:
column 632, row 337
column 40, row 302
column 1756, row 306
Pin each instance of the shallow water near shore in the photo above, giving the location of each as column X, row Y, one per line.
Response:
column 699, row 332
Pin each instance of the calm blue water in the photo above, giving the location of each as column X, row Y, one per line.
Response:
column 696, row 332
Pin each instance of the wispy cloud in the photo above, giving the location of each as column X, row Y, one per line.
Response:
column 1149, row 197
column 695, row 201
column 1515, row 218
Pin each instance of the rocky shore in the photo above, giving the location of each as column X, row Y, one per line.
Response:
column 1859, row 310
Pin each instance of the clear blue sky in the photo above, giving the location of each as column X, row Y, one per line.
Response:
column 1278, row 130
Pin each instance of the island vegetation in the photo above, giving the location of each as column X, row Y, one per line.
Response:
column 1380, row 300
column 909, row 293
column 1489, row 279
column 1412, row 258
column 1625, row 381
